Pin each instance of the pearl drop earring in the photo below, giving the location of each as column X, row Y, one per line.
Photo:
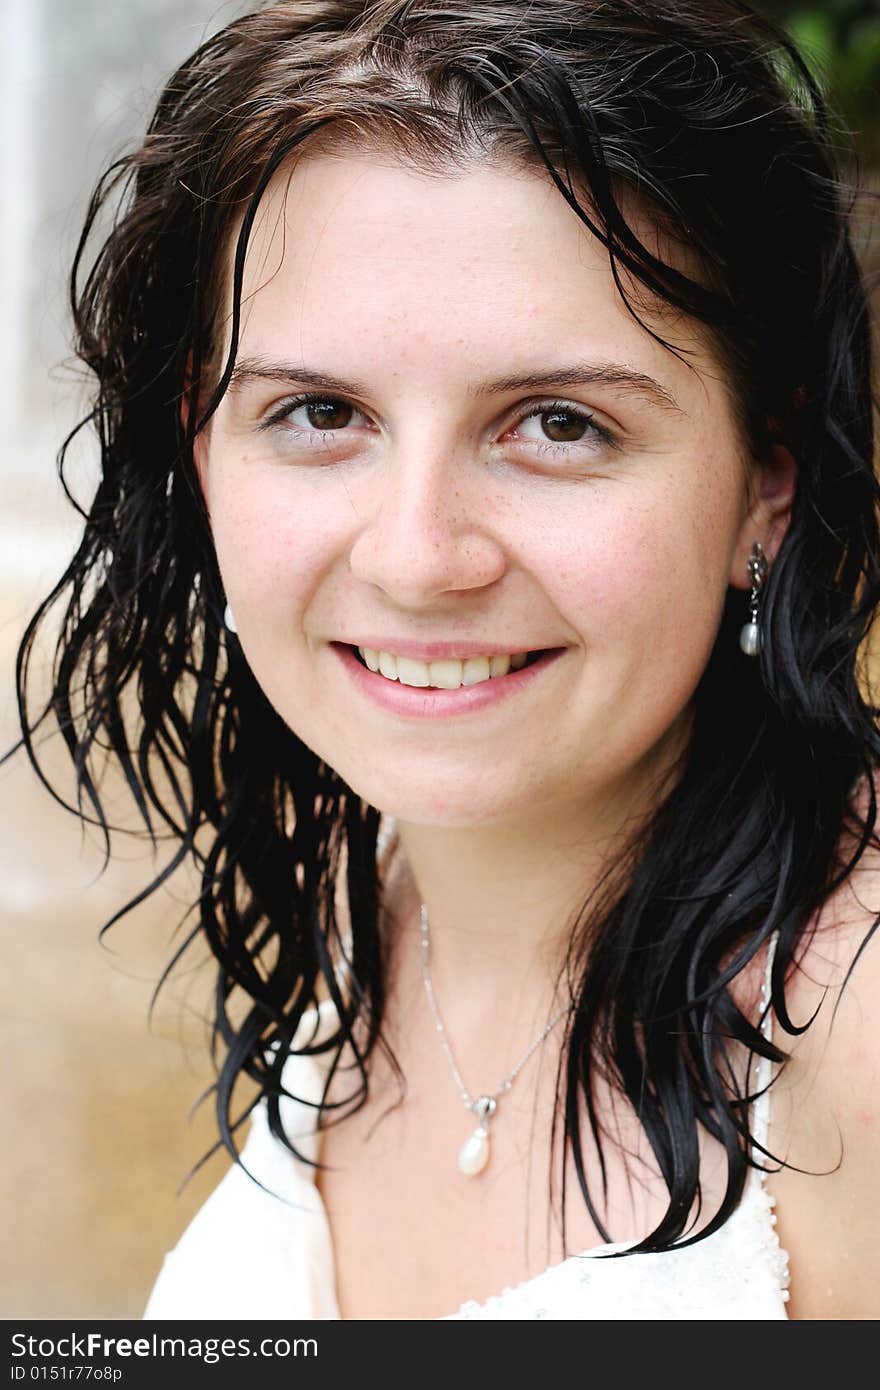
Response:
column 229, row 619
column 750, row 636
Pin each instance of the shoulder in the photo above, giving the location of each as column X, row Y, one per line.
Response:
column 826, row 1107
column 258, row 1247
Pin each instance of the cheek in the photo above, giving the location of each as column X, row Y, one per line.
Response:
column 271, row 545
column 604, row 581
column 648, row 572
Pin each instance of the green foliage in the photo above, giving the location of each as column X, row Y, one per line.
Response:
column 840, row 40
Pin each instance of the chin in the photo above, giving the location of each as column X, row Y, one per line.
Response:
column 432, row 802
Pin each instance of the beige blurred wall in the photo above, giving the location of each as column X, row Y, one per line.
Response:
column 97, row 1137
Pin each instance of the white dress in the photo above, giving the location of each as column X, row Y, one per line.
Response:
column 251, row 1254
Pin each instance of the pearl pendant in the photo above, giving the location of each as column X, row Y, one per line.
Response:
column 750, row 639
column 474, row 1152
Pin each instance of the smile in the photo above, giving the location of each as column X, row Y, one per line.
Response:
column 470, row 684
column 449, row 674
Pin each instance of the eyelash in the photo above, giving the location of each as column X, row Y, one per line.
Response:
column 600, row 433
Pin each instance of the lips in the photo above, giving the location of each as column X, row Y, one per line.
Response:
column 419, row 702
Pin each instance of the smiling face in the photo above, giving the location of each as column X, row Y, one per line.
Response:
column 431, row 501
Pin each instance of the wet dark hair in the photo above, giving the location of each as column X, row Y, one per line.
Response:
column 706, row 113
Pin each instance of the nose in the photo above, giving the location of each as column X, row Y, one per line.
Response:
column 427, row 528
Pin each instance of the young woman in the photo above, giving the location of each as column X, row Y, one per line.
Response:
column 476, row 588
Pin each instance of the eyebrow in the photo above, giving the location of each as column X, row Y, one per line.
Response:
column 612, row 374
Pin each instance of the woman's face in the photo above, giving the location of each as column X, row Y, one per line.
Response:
column 437, row 501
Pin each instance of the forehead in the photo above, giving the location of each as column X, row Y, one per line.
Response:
column 443, row 276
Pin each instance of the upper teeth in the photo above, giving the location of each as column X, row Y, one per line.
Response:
column 448, row 674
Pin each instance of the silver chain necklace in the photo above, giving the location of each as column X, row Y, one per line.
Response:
column 474, row 1152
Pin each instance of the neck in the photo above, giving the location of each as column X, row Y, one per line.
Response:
column 503, row 899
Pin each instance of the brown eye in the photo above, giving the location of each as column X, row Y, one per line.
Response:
column 563, row 426
column 308, row 421
column 327, row 414
column 557, row 427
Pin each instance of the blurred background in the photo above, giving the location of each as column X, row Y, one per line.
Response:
column 99, row 1136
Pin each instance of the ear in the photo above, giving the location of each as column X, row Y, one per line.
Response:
column 771, row 494
column 200, row 462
